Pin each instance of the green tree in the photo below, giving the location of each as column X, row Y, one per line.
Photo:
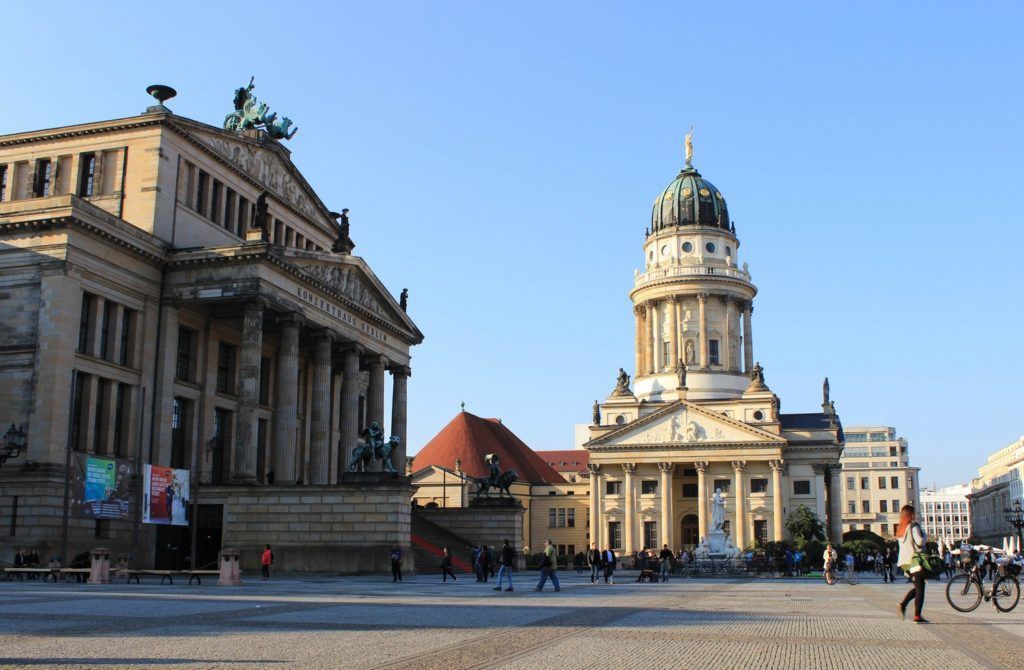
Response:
column 805, row 526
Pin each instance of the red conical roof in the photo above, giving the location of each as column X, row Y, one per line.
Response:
column 470, row 438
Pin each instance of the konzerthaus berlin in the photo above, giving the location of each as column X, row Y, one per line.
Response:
column 175, row 294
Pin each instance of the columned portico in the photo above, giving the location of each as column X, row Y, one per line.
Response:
column 702, row 499
column 375, row 394
column 244, row 465
column 777, row 467
column 595, row 504
column 320, row 430
column 666, row 503
column 399, row 414
column 739, row 533
column 349, row 405
column 286, row 400
column 629, row 540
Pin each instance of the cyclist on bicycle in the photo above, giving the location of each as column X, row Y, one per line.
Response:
column 830, row 557
column 850, row 561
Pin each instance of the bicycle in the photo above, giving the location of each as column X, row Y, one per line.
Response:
column 851, row 576
column 965, row 591
column 830, row 574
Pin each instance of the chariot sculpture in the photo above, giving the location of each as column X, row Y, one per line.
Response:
column 250, row 114
column 371, row 446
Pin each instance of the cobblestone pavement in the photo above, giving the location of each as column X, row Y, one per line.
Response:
column 370, row 623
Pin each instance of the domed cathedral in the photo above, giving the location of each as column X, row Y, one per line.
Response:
column 699, row 415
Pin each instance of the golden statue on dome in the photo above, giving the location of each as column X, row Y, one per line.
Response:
column 689, row 147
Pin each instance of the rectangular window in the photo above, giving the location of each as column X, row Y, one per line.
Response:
column 866, row 526
column 615, row 534
column 3, row 183
column 264, row 381
column 883, row 506
column 648, row 487
column 689, row 490
column 761, row 531
column 802, row 487
column 759, row 486
column 86, row 175
column 278, row 232
column 243, row 215
column 895, row 505
column 14, row 516
column 108, row 317
column 570, row 517
column 571, row 550
column 120, row 419
column 895, row 482
column 101, row 529
column 666, row 351
column 85, row 324
column 300, row 241
column 885, row 529
column 851, row 483
column 215, row 195
column 865, row 483
column 865, row 506
column 229, row 211
column 100, row 415
column 552, row 518
column 186, row 353
column 44, row 173
column 650, row 533
column 127, row 324
column 713, row 352
column 178, row 430
column 722, row 484
column 881, row 482
column 613, row 488
column 202, row 188
column 77, row 413
column 226, row 368
column 851, row 506
column 221, row 439
column 561, row 517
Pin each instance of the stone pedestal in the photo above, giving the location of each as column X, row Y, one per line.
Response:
column 99, row 572
column 230, row 567
column 487, row 521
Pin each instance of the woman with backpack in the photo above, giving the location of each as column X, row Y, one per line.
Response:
column 912, row 538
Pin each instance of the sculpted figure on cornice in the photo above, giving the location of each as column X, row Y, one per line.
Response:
column 348, row 283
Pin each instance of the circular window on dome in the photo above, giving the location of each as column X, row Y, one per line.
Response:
column 687, row 192
column 710, row 246
column 668, row 196
column 687, row 247
column 664, row 250
column 620, row 419
column 758, row 415
column 704, row 192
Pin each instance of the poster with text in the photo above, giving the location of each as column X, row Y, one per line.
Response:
column 165, row 495
column 101, row 487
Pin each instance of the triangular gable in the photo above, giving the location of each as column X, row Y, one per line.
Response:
column 684, row 422
column 271, row 168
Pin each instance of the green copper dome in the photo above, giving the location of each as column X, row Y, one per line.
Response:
column 690, row 200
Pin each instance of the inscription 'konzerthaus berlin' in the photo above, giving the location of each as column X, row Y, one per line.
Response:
column 204, row 304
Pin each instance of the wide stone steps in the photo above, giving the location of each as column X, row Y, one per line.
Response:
column 428, row 541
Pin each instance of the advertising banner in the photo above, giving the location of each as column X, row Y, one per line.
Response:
column 101, row 487
column 165, row 495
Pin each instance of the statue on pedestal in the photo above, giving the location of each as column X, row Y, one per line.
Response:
column 681, row 373
column 597, row 414
column 403, row 299
column 717, row 511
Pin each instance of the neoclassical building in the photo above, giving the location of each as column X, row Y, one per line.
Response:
column 699, row 415
column 175, row 293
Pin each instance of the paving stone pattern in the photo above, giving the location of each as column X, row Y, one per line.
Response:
column 370, row 623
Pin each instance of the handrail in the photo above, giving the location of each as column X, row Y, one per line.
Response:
column 690, row 271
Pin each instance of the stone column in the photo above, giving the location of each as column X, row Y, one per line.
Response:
column 656, row 361
column 166, row 371
column 375, row 394
column 286, row 401
column 666, row 502
column 638, row 314
column 725, row 348
column 244, row 467
column 335, row 437
column 833, row 485
column 628, row 540
column 748, row 338
column 595, row 504
column 778, row 526
column 399, row 413
column 349, row 406
column 673, row 332
column 740, row 531
column 821, row 508
column 702, row 298
column 702, row 499
column 320, row 414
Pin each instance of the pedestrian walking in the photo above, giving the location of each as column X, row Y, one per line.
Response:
column 483, row 563
column 912, row 538
column 266, row 560
column 548, row 567
column 396, row 564
column 596, row 562
column 666, row 562
column 507, row 559
column 446, row 566
column 610, row 561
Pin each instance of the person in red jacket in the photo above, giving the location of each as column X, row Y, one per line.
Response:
column 266, row 561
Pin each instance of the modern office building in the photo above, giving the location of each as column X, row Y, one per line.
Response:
column 946, row 513
column 877, row 479
column 998, row 486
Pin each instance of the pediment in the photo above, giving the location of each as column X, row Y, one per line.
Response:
column 268, row 166
column 685, row 423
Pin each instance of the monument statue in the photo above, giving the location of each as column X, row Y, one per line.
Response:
column 825, row 392
column 717, row 511
column 681, row 373
column 252, row 114
column 403, row 299
column 597, row 414
column 261, row 216
column 689, row 353
column 343, row 243
column 370, row 447
column 494, row 466
column 757, row 374
column 689, row 147
column 622, row 381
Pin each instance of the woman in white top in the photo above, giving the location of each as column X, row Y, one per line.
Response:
column 912, row 539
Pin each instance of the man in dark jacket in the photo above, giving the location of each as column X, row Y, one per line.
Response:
column 666, row 562
column 596, row 562
column 507, row 561
column 483, row 561
column 609, row 561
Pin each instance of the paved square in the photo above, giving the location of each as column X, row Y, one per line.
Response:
column 422, row 624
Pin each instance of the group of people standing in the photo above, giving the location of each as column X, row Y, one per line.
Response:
column 602, row 564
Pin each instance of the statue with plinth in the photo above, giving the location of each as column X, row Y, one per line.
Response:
column 717, row 544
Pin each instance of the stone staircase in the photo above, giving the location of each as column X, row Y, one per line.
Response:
column 428, row 541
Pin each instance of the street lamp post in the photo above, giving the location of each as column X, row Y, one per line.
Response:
column 1015, row 517
column 14, row 441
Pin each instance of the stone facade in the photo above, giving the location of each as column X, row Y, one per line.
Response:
column 483, row 522
column 877, row 479
column 176, row 294
column 998, row 486
column 945, row 513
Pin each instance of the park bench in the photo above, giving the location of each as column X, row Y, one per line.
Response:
column 47, row 573
column 164, row 575
column 198, row 575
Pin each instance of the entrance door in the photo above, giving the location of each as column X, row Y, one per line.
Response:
column 690, row 531
column 209, row 531
column 173, row 547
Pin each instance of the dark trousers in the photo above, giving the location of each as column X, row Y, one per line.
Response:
column 916, row 594
column 485, row 570
column 609, row 571
column 266, row 571
column 446, row 573
column 396, row 571
column 595, row 572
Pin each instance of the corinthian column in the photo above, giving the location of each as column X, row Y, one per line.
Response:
column 666, row 502
column 740, row 532
column 702, row 499
column 702, row 298
column 244, row 470
column 748, row 338
column 349, row 406
column 835, row 504
column 629, row 542
column 320, row 429
column 777, row 495
column 725, row 348
column 286, row 401
column 673, row 332
column 647, row 338
column 638, row 315
column 595, row 504
column 399, row 413
column 375, row 394
column 656, row 362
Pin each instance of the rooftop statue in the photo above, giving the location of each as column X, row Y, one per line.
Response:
column 403, row 299
column 252, row 114
column 825, row 392
column 689, row 147
column 622, row 381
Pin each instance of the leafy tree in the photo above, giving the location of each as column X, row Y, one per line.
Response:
column 864, row 536
column 805, row 526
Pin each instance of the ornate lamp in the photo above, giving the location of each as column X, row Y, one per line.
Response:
column 1015, row 517
column 162, row 94
column 14, row 441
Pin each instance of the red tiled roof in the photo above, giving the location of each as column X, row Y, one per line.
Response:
column 469, row 438
column 566, row 460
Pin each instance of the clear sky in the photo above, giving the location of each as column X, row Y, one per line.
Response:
column 500, row 160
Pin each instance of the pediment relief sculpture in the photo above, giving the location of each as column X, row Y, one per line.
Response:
column 346, row 280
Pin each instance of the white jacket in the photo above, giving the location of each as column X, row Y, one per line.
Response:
column 914, row 535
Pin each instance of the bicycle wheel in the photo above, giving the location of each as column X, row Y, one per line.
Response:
column 830, row 577
column 963, row 593
column 1005, row 594
column 851, row 577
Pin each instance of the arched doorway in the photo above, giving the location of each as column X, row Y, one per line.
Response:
column 689, row 535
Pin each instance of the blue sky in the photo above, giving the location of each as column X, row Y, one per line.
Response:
column 500, row 160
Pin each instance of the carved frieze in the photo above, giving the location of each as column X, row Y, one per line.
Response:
column 346, row 280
